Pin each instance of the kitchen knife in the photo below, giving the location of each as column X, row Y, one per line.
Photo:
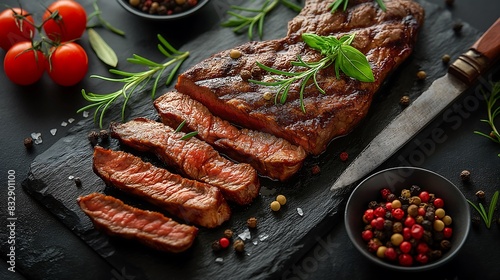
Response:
column 462, row 73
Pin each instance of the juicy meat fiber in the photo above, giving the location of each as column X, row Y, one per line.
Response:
column 386, row 38
column 150, row 228
column 194, row 158
column 271, row 156
column 193, row 201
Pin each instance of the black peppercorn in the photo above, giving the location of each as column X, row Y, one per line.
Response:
column 228, row 233
column 372, row 204
column 391, row 197
column 465, row 175
column 103, row 134
column 28, row 142
column 480, row 194
column 78, row 182
column 427, row 224
column 216, row 246
column 435, row 254
column 252, row 222
column 445, row 245
column 457, row 27
column 93, row 137
column 245, row 75
column 404, row 100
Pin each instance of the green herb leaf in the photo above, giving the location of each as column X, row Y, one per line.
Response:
column 249, row 19
column 486, row 216
column 336, row 4
column 134, row 81
column 346, row 58
column 103, row 51
column 493, row 111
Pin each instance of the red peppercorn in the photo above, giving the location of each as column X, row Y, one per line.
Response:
column 409, row 221
column 406, row 233
column 367, row 235
column 422, row 258
column 379, row 212
column 438, row 202
column 385, row 193
column 344, row 156
column 378, row 223
column 405, row 247
column 224, row 242
column 405, row 260
column 421, row 211
column 424, row 196
column 417, row 231
column 369, row 215
column 388, row 206
column 422, row 248
column 390, row 254
column 447, row 232
column 398, row 213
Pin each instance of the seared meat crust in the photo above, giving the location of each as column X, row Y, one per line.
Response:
column 271, row 156
column 193, row 158
column 114, row 217
column 386, row 38
column 192, row 201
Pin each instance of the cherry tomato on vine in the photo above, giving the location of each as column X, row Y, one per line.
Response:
column 16, row 26
column 68, row 21
column 24, row 65
column 67, row 64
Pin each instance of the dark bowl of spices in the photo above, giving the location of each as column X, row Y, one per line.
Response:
column 163, row 10
column 407, row 219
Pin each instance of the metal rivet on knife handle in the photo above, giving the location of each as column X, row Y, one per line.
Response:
column 479, row 58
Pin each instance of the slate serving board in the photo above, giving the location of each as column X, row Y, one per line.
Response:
column 281, row 237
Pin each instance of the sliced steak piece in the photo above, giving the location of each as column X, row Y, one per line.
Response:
column 151, row 228
column 271, row 156
column 194, row 158
column 386, row 38
column 193, row 201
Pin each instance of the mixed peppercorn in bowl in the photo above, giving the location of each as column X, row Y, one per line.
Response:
column 407, row 218
column 162, row 9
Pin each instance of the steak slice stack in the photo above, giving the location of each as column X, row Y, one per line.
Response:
column 192, row 157
column 271, row 156
column 151, row 228
column 386, row 38
column 192, row 201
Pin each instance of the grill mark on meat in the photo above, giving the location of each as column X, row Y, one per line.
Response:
column 193, row 201
column 387, row 39
column 194, row 158
column 271, row 156
column 150, row 228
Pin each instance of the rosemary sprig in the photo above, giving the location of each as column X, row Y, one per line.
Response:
column 188, row 135
column 250, row 19
column 493, row 110
column 339, row 51
column 133, row 81
column 486, row 216
column 97, row 13
column 336, row 4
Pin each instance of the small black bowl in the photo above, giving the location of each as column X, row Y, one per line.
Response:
column 397, row 179
column 125, row 4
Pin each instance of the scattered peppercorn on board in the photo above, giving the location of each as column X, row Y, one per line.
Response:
column 280, row 237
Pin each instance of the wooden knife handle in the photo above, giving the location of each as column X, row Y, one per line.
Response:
column 479, row 58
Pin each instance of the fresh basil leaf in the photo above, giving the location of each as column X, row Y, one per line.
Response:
column 354, row 64
column 103, row 51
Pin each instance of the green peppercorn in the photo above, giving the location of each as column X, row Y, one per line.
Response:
column 28, row 143
column 413, row 210
column 216, row 246
column 404, row 100
column 446, row 58
column 234, row 53
column 421, row 75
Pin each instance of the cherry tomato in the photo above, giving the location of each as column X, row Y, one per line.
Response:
column 68, row 23
column 17, row 26
column 24, row 65
column 68, row 63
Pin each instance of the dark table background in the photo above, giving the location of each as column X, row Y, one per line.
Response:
column 56, row 253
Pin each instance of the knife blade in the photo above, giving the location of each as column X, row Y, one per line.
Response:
column 462, row 73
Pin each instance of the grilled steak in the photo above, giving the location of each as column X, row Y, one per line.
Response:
column 271, row 156
column 151, row 228
column 386, row 38
column 194, row 158
column 193, row 201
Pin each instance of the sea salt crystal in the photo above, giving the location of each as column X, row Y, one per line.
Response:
column 263, row 236
column 245, row 235
column 85, row 114
column 301, row 213
column 53, row 131
column 71, row 177
column 37, row 137
column 64, row 124
column 71, row 120
column 255, row 242
column 219, row 260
